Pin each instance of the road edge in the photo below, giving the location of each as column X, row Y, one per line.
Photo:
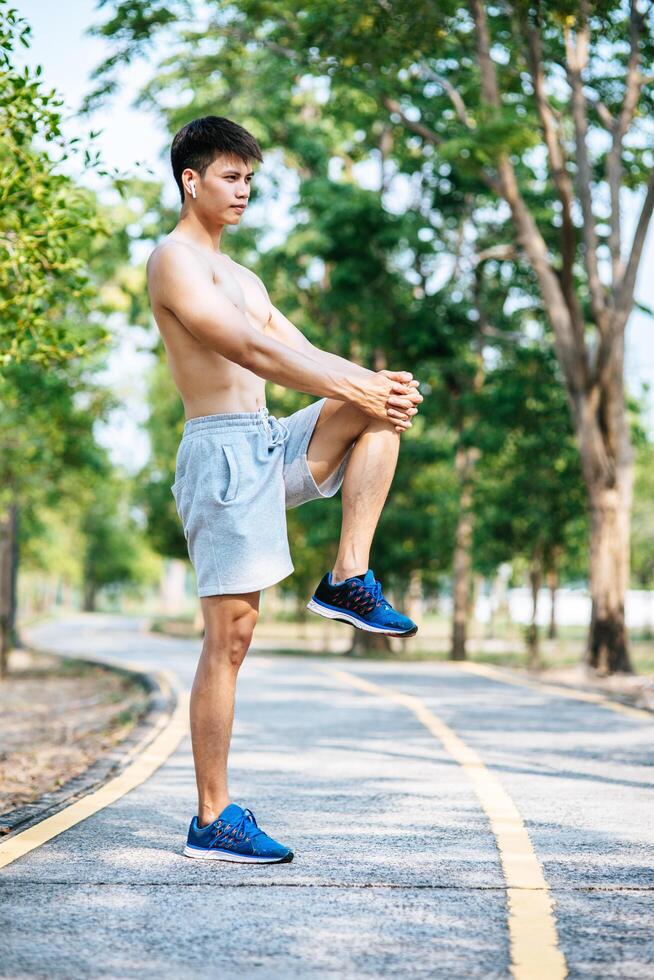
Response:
column 612, row 701
column 163, row 700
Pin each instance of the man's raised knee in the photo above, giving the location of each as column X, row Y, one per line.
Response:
column 380, row 425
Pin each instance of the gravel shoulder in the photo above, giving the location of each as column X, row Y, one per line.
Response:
column 58, row 716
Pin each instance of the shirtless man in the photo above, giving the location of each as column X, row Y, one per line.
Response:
column 239, row 469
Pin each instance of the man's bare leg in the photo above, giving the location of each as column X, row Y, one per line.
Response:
column 368, row 476
column 229, row 622
column 366, row 483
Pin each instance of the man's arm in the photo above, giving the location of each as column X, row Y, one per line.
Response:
column 187, row 291
column 280, row 328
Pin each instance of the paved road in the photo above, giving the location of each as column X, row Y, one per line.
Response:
column 397, row 869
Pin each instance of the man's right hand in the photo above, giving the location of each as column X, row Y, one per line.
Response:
column 392, row 396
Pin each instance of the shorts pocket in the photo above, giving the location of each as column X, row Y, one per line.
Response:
column 224, row 471
column 232, row 470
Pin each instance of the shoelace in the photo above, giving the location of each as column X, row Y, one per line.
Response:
column 376, row 590
column 237, row 832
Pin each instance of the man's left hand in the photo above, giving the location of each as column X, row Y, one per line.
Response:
column 401, row 405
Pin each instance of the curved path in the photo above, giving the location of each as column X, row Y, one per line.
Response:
column 444, row 823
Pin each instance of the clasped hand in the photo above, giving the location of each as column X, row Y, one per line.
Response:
column 403, row 398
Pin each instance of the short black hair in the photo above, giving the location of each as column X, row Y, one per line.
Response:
column 197, row 145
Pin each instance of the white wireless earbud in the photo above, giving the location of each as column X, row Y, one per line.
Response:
column 192, row 185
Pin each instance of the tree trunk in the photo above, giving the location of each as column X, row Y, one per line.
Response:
column 553, row 585
column 90, row 592
column 8, row 573
column 533, row 648
column 413, row 600
column 607, row 459
column 490, row 625
column 364, row 642
column 14, row 573
column 464, row 463
column 499, row 598
column 607, row 647
column 301, row 611
column 67, row 594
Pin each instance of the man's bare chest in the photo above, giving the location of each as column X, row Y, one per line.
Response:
column 243, row 289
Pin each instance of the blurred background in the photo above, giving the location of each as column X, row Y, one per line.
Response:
column 459, row 190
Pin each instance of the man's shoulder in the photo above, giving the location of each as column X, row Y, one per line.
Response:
column 172, row 249
column 172, row 255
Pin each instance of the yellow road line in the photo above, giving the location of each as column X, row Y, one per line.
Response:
column 535, row 953
column 156, row 752
column 498, row 674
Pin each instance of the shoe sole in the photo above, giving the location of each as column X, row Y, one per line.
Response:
column 344, row 617
column 213, row 854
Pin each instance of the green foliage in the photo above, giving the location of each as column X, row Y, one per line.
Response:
column 152, row 492
column 114, row 548
column 48, row 225
column 46, row 429
column 64, row 271
column 529, row 495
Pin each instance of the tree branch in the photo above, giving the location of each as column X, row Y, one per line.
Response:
column 416, row 127
column 570, row 349
column 430, row 135
column 500, row 253
column 489, row 88
column 576, row 61
column 625, row 294
column 455, row 98
column 605, row 116
column 558, row 170
column 460, row 238
column 620, row 126
column 247, row 37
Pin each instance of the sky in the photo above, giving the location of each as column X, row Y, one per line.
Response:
column 131, row 137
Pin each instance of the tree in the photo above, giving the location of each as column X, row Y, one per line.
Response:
column 594, row 374
column 491, row 131
column 52, row 238
column 48, row 223
column 113, row 545
column 164, row 426
column 529, row 495
column 46, row 438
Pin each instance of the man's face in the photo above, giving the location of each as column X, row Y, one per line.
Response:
column 224, row 191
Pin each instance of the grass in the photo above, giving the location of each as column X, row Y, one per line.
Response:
column 291, row 637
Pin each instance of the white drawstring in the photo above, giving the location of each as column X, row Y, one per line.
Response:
column 275, row 432
column 278, row 433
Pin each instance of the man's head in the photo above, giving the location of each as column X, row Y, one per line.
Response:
column 211, row 156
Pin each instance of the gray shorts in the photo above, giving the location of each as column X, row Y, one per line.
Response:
column 236, row 475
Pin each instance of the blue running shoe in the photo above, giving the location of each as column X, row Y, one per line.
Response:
column 359, row 601
column 234, row 836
